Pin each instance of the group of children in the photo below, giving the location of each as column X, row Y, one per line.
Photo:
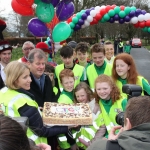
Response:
column 99, row 83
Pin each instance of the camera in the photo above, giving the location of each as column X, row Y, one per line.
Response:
column 131, row 90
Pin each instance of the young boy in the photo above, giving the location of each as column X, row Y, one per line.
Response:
column 66, row 54
column 127, row 47
column 99, row 66
column 82, row 54
column 109, row 52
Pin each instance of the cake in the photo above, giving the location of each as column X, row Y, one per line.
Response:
column 66, row 114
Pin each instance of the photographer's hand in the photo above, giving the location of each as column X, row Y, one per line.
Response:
column 44, row 146
column 112, row 135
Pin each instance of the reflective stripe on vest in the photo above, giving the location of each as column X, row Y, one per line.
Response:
column 62, row 139
column 33, row 137
column 92, row 74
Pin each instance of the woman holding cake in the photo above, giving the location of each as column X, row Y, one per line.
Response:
column 83, row 94
column 16, row 101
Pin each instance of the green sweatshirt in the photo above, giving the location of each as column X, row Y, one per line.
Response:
column 127, row 48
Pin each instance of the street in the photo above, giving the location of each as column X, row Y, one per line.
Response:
column 142, row 59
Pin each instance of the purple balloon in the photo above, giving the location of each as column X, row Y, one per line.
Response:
column 143, row 12
column 37, row 27
column 64, row 11
column 77, row 27
column 84, row 16
column 55, row 2
column 116, row 17
column 138, row 12
column 92, row 8
column 127, row 18
column 80, row 22
column 121, row 21
column 88, row 12
column 111, row 20
column 67, row 1
column 46, row 1
column 132, row 13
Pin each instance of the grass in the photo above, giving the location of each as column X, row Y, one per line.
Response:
column 17, row 53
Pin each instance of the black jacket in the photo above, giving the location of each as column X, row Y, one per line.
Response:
column 1, row 80
column 47, row 95
column 35, row 120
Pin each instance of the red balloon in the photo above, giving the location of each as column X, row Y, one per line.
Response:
column 62, row 42
column 113, row 6
column 122, row 7
column 93, row 22
column 136, row 25
column 22, row 10
column 103, row 11
column 53, row 22
column 69, row 20
column 147, row 23
column 108, row 7
column 142, row 24
column 98, row 16
column 26, row 2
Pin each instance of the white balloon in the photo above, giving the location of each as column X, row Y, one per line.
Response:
column 57, row 43
column 89, row 18
column 56, row 50
column 83, row 26
column 134, row 20
column 93, row 13
column 141, row 18
column 57, row 46
column 103, row 6
column 147, row 16
column 97, row 8
column 86, row 23
column 116, row 21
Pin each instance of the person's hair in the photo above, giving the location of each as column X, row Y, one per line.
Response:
column 49, row 68
column 115, row 93
column 36, row 53
column 13, row 71
column 82, row 47
column 89, row 92
column 132, row 72
column 66, row 73
column 66, row 51
column 138, row 110
column 108, row 43
column 96, row 48
column 26, row 43
column 12, row 135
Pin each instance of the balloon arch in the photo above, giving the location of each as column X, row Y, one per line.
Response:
column 56, row 18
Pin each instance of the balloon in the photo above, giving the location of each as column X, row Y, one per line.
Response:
column 143, row 12
column 121, row 21
column 145, row 29
column 87, row 12
column 36, row 1
column 147, row 23
column 80, row 22
column 46, row 1
column 141, row 17
column 84, row 16
column 22, row 10
column 111, row 20
column 97, row 9
column 122, row 7
column 116, row 17
column 77, row 27
column 61, row 32
column 98, row 16
column 55, row 2
column 72, row 25
column 134, row 20
column 108, row 7
column 147, row 16
column 132, row 13
column 136, row 25
column 93, row 22
column 45, row 12
column 53, row 22
column 75, row 20
column 113, row 6
column 117, row 9
column 142, row 24
column 67, row 1
column 26, row 2
column 89, row 19
column 93, row 13
column 148, row 29
column 133, row 8
column 86, row 23
column 37, row 27
column 106, row 17
column 111, row 13
column 127, row 18
column 78, row 15
column 138, row 12
column 122, row 14
column 64, row 11
column 103, row 20
column 102, row 11
column 127, row 10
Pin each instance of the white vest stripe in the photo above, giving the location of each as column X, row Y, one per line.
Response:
column 95, row 125
column 90, row 131
column 84, row 138
column 33, row 137
column 62, row 139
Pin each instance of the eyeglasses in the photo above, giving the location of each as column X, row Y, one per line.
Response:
column 28, row 48
column 4, row 46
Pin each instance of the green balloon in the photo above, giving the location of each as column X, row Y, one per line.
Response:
column 127, row 10
column 133, row 8
column 111, row 13
column 117, row 9
column 122, row 14
column 83, row 11
column 78, row 15
column 148, row 29
column 75, row 20
column 145, row 29
column 106, row 17
column 45, row 12
column 36, row 1
column 61, row 32
column 102, row 20
column 72, row 25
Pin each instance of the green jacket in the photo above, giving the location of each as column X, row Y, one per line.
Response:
column 136, row 138
column 127, row 48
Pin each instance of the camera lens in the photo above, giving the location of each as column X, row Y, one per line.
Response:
column 120, row 118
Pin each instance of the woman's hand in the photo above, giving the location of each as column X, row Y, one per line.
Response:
column 44, row 146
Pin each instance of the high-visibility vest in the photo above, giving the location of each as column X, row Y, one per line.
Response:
column 120, row 44
column 92, row 73
column 63, row 98
column 11, row 101
column 109, row 119
column 139, row 82
column 77, row 70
